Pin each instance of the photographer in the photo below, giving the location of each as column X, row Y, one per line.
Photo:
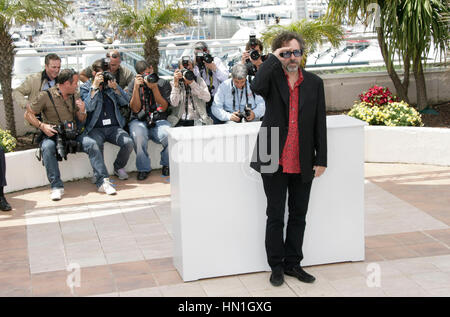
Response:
column 59, row 108
column 211, row 70
column 149, row 103
column 35, row 83
column 252, row 58
column 189, row 96
column 123, row 74
column 234, row 100
column 105, row 123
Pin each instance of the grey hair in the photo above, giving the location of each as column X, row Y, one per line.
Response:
column 239, row 71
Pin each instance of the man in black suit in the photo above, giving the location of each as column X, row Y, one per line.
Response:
column 291, row 150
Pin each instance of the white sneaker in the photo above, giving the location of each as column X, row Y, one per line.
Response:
column 57, row 193
column 107, row 187
column 121, row 174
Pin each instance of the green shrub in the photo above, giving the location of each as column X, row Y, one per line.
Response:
column 7, row 141
column 391, row 114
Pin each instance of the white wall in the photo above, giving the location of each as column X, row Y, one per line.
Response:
column 416, row 145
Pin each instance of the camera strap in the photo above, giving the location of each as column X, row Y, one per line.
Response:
column 147, row 102
column 188, row 94
column 233, row 92
column 54, row 106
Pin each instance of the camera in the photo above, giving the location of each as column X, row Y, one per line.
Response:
column 201, row 57
column 188, row 74
column 254, row 54
column 151, row 117
column 107, row 76
column 185, row 61
column 105, row 64
column 244, row 114
column 151, row 78
column 66, row 140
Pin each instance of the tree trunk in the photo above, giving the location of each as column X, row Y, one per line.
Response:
column 6, row 68
column 421, row 88
column 400, row 87
column 151, row 52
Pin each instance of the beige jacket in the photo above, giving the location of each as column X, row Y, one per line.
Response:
column 200, row 96
column 31, row 87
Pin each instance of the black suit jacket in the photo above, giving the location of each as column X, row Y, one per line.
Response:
column 271, row 83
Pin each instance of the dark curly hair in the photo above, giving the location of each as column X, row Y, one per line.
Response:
column 287, row 36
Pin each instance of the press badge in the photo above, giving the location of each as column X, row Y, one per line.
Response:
column 106, row 122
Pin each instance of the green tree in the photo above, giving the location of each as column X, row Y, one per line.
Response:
column 314, row 32
column 146, row 24
column 20, row 12
column 405, row 28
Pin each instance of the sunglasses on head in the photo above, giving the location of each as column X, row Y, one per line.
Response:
column 113, row 55
column 297, row 53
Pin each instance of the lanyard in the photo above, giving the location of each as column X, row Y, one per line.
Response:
column 233, row 92
column 188, row 95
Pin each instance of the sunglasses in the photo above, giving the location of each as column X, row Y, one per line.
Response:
column 113, row 55
column 297, row 53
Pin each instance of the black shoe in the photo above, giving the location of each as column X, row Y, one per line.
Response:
column 4, row 204
column 299, row 273
column 277, row 278
column 165, row 171
column 142, row 175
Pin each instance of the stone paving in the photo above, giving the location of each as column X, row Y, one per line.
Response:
column 123, row 243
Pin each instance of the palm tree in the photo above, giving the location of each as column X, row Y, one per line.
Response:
column 146, row 24
column 314, row 32
column 20, row 12
column 405, row 28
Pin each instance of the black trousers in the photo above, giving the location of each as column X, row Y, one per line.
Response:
column 2, row 168
column 285, row 253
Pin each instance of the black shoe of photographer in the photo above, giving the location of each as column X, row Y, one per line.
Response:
column 4, row 206
column 277, row 277
column 142, row 175
column 166, row 171
column 300, row 274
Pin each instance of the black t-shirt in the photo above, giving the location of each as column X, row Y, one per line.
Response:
column 108, row 113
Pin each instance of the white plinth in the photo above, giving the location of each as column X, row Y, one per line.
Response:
column 219, row 206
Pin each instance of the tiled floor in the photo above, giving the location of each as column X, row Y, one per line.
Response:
column 122, row 245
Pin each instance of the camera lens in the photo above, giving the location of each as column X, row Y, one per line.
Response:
column 254, row 55
column 152, row 78
column 188, row 74
column 208, row 58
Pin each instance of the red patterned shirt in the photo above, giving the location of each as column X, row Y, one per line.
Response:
column 290, row 157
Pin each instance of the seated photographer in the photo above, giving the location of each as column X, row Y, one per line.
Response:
column 62, row 112
column 189, row 97
column 211, row 70
column 150, row 98
column 252, row 57
column 235, row 101
column 104, row 123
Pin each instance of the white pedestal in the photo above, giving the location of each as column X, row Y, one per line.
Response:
column 219, row 206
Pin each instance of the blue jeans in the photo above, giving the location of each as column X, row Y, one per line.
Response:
column 141, row 134
column 93, row 146
column 48, row 147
